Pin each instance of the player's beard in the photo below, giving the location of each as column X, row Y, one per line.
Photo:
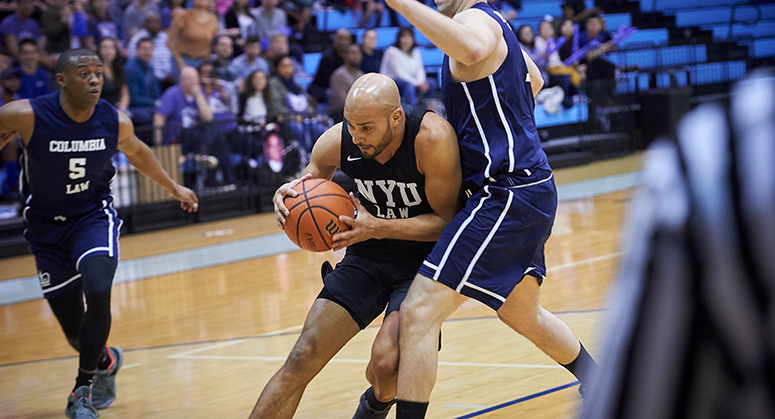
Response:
column 382, row 145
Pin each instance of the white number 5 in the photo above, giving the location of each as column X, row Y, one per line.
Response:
column 77, row 169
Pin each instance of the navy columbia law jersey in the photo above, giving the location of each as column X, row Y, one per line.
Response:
column 392, row 190
column 493, row 117
column 67, row 165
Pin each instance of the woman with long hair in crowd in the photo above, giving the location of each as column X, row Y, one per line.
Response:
column 114, row 88
column 403, row 63
column 288, row 100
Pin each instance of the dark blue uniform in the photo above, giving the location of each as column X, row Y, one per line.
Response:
column 499, row 236
column 66, row 174
column 376, row 273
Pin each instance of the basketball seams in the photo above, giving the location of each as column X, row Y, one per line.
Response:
column 312, row 214
column 327, row 208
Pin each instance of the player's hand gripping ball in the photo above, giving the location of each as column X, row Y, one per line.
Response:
column 313, row 216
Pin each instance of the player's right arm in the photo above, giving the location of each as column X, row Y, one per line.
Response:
column 536, row 79
column 323, row 162
column 16, row 116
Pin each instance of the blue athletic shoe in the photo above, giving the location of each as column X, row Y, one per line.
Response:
column 365, row 411
column 104, row 386
column 79, row 404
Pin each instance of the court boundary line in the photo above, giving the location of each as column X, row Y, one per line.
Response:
column 519, row 400
column 281, row 332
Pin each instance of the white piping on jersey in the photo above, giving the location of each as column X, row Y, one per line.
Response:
column 538, row 182
column 505, row 123
column 96, row 249
column 64, row 284
column 118, row 230
column 458, row 233
column 481, row 130
column 486, row 240
column 430, row 265
column 488, row 292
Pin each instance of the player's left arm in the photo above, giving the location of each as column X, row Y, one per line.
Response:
column 536, row 79
column 438, row 159
column 143, row 159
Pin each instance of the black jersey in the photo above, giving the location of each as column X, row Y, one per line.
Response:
column 392, row 190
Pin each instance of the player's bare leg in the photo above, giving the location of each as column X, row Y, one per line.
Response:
column 382, row 371
column 523, row 313
column 327, row 329
column 427, row 304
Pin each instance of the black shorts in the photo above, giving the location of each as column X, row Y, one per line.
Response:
column 364, row 286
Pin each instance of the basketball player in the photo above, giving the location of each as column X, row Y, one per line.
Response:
column 69, row 139
column 493, row 250
column 406, row 166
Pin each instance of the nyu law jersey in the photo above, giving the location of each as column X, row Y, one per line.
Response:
column 392, row 190
column 67, row 165
column 493, row 118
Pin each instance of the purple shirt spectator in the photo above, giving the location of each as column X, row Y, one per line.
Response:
column 33, row 85
column 179, row 110
column 12, row 25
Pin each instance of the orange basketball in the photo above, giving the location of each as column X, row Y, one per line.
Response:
column 313, row 216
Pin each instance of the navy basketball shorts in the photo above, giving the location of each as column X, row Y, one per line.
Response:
column 364, row 286
column 495, row 241
column 59, row 246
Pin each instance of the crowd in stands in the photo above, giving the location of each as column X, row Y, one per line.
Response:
column 223, row 78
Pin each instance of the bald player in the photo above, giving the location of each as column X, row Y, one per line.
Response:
column 406, row 166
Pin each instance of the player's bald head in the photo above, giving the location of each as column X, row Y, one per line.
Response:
column 375, row 91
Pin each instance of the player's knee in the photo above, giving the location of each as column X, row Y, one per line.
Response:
column 97, row 276
column 75, row 342
column 384, row 363
column 301, row 355
column 522, row 322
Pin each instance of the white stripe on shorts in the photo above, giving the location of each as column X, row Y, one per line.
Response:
column 64, row 284
column 488, row 292
column 485, row 243
column 458, row 233
column 96, row 249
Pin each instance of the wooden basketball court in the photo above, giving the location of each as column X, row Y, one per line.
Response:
column 202, row 342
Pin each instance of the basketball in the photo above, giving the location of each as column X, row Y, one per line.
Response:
column 313, row 216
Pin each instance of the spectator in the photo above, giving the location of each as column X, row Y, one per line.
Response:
column 17, row 27
column 332, row 59
column 253, row 103
column 144, row 87
column 9, row 155
column 192, row 33
column 527, row 40
column 63, row 25
column 5, row 62
column 369, row 8
column 169, row 13
column 558, row 74
column 341, row 81
column 239, row 22
column 162, row 57
column 99, row 24
column 249, row 61
column 288, row 99
column 403, row 63
column 114, row 88
column 223, row 54
column 500, row 6
column 575, row 71
column 269, row 18
column 299, row 12
column 278, row 166
column 372, row 57
column 35, row 81
column 576, row 11
column 10, row 83
column 134, row 16
column 181, row 107
column 218, row 98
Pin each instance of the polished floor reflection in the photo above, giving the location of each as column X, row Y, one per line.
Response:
column 202, row 342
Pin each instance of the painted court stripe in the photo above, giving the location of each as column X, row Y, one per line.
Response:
column 520, row 400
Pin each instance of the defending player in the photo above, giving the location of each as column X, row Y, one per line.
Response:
column 69, row 139
column 406, row 165
column 493, row 250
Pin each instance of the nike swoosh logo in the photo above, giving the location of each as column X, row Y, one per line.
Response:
column 350, row 158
